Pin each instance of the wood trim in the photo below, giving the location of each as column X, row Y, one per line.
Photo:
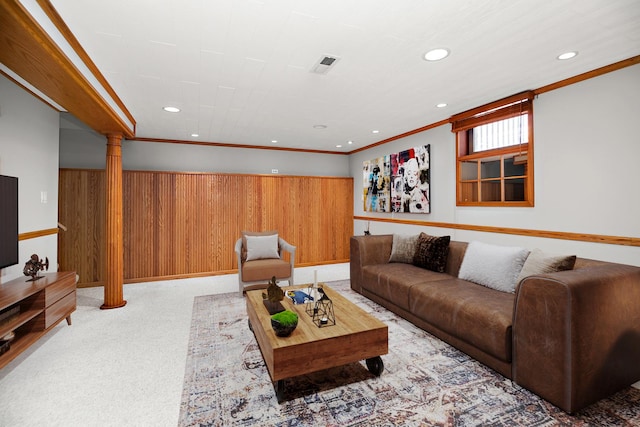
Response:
column 589, row 74
column 562, row 235
column 474, row 115
column 566, row 82
column 55, row 17
column 37, row 233
column 402, row 135
column 204, row 274
column 222, row 144
column 33, row 55
column 27, row 89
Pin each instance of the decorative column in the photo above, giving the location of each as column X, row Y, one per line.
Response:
column 113, row 296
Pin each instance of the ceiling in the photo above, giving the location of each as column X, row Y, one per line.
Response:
column 240, row 70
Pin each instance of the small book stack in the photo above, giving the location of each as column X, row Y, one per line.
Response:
column 299, row 297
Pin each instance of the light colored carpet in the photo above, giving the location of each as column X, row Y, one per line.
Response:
column 425, row 382
column 122, row 367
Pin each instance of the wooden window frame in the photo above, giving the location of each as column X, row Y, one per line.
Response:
column 505, row 108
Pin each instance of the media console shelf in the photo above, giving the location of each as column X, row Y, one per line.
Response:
column 31, row 309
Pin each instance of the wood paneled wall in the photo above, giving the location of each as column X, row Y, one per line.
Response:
column 186, row 224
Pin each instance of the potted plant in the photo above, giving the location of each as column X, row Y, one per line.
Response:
column 284, row 323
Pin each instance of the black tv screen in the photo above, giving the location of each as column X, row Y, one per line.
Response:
column 8, row 221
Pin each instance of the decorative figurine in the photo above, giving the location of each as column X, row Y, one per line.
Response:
column 33, row 266
column 272, row 298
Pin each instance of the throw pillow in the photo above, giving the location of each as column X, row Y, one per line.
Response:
column 262, row 247
column 539, row 262
column 493, row 266
column 253, row 233
column 403, row 248
column 432, row 252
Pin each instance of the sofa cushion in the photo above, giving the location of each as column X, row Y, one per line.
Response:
column 261, row 268
column 455, row 257
column 539, row 262
column 403, row 248
column 431, row 252
column 393, row 281
column 493, row 266
column 262, row 247
column 476, row 314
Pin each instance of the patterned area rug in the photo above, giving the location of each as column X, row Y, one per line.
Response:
column 425, row 382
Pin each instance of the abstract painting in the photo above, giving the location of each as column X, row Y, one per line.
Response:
column 410, row 181
column 376, row 176
column 399, row 182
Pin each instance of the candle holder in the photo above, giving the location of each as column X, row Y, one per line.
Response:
column 313, row 290
column 323, row 314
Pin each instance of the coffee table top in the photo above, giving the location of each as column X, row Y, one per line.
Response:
column 356, row 335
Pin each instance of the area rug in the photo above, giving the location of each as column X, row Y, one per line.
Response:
column 425, row 382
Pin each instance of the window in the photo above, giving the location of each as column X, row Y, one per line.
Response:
column 495, row 153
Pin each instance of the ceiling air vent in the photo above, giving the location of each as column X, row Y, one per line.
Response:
column 324, row 64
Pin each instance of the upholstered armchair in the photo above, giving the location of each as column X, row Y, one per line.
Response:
column 260, row 257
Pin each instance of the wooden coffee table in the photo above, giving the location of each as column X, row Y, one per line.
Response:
column 356, row 336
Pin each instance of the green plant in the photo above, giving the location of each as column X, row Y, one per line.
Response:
column 286, row 318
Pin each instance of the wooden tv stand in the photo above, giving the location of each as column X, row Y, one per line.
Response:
column 42, row 305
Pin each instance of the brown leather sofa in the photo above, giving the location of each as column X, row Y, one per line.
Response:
column 572, row 337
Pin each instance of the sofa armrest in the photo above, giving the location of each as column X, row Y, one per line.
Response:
column 367, row 250
column 576, row 334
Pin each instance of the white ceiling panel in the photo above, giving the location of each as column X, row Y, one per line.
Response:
column 240, row 69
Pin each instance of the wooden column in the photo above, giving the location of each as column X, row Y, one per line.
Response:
column 113, row 296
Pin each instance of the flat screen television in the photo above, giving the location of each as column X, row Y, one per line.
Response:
column 8, row 221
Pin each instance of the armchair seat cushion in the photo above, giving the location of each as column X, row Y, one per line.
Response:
column 260, row 268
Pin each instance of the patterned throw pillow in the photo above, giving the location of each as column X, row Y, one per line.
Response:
column 403, row 248
column 432, row 252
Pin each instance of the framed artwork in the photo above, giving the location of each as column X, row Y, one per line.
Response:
column 399, row 182
column 376, row 175
column 410, row 179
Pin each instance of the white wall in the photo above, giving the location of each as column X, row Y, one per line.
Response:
column 587, row 175
column 85, row 149
column 29, row 132
column 586, row 145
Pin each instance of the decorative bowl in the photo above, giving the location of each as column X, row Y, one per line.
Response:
column 282, row 330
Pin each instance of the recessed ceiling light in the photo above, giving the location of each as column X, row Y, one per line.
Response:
column 375, row 131
column 349, row 142
column 195, row 135
column 274, row 141
column 567, row 55
column 441, row 105
column 171, row 109
column 338, row 146
column 436, row 54
column 319, row 126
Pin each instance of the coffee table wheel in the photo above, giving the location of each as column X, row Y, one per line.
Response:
column 279, row 388
column 375, row 365
column 250, row 325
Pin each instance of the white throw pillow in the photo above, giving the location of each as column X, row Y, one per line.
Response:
column 262, row 247
column 493, row 266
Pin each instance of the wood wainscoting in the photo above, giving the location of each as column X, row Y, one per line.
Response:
column 181, row 224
